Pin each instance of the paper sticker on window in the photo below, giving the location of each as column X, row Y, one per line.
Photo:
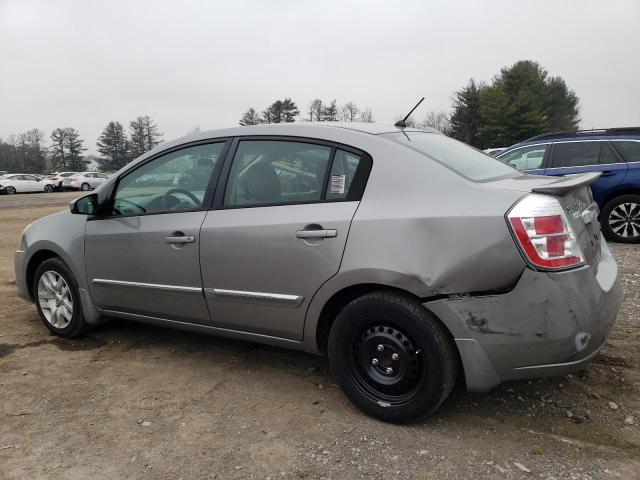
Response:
column 337, row 184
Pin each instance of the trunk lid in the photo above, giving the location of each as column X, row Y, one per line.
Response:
column 574, row 194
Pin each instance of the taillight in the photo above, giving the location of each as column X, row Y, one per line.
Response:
column 544, row 234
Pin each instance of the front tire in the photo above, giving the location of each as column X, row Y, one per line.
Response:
column 85, row 187
column 10, row 191
column 392, row 357
column 621, row 219
column 58, row 300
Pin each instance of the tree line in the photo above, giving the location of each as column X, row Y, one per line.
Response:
column 520, row 102
column 27, row 152
column 282, row 111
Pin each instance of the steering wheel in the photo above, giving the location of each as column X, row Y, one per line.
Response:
column 167, row 197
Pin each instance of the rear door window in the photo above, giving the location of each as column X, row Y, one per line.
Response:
column 576, row 154
column 271, row 172
column 630, row 150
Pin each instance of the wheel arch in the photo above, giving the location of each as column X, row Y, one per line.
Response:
column 34, row 262
column 620, row 192
column 343, row 297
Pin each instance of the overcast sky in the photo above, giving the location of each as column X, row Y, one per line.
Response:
column 185, row 63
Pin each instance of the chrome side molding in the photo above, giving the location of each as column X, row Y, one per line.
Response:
column 279, row 299
column 150, row 286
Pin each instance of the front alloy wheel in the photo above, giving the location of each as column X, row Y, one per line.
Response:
column 10, row 190
column 58, row 300
column 55, row 300
column 85, row 187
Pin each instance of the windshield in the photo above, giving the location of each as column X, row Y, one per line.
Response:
column 457, row 156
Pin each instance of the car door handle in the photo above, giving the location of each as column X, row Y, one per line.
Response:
column 324, row 233
column 180, row 239
column 608, row 173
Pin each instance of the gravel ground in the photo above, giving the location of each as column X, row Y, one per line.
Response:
column 134, row 401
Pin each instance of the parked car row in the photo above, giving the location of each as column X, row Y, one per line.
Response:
column 614, row 152
column 12, row 183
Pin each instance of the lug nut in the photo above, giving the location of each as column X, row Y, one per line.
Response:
column 389, row 370
column 374, row 362
column 380, row 348
column 394, row 357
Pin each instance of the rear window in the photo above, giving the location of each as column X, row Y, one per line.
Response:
column 457, row 156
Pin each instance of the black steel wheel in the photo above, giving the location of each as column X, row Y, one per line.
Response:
column 387, row 366
column 392, row 357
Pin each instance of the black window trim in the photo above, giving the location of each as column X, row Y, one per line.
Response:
column 602, row 141
column 356, row 189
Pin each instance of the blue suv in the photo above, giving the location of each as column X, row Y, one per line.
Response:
column 615, row 152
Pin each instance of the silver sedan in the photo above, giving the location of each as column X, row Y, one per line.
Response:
column 407, row 257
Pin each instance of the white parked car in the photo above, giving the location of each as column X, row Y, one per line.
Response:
column 23, row 183
column 58, row 177
column 84, row 181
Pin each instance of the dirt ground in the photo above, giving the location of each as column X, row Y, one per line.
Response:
column 134, row 401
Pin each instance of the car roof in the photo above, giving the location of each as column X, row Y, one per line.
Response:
column 303, row 129
column 622, row 133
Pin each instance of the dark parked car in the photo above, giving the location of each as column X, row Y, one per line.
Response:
column 614, row 152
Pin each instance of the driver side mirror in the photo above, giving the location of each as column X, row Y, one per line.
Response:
column 87, row 205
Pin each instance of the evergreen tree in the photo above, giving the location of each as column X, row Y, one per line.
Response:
column 250, row 117
column 66, row 150
column 281, row 111
column 466, row 114
column 75, row 148
column 113, row 147
column 521, row 102
column 330, row 112
column 144, row 136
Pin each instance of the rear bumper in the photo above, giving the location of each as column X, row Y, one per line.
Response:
column 549, row 324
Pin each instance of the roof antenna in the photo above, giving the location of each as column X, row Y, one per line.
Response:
column 403, row 123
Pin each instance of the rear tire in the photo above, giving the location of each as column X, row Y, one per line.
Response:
column 48, row 188
column 620, row 219
column 57, row 299
column 393, row 358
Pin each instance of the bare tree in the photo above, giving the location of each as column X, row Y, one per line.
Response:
column 315, row 110
column 349, row 112
column 439, row 120
column 410, row 122
column 366, row 116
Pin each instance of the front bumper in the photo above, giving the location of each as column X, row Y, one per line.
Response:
column 550, row 323
column 21, row 274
